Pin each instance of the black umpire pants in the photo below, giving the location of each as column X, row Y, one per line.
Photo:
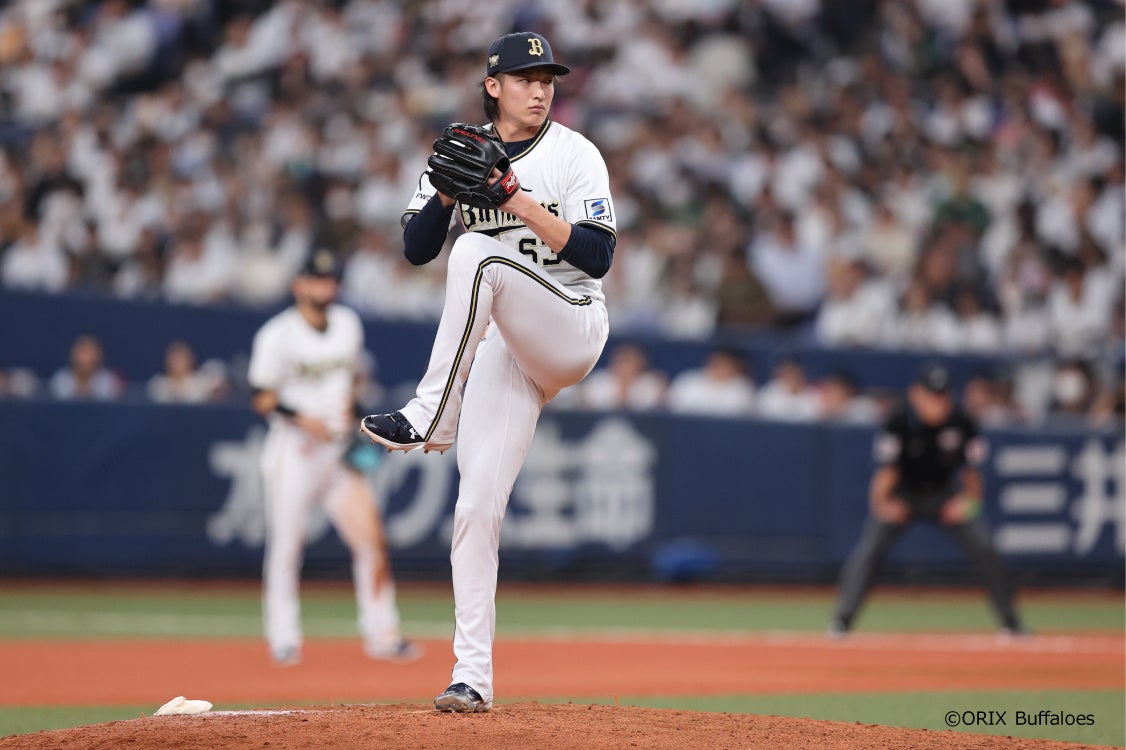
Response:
column 878, row 537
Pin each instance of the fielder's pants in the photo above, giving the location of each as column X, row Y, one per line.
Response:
column 877, row 539
column 299, row 472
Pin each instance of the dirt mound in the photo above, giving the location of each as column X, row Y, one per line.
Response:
column 508, row 726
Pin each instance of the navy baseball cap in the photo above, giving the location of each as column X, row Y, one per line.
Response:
column 322, row 263
column 934, row 377
column 524, row 49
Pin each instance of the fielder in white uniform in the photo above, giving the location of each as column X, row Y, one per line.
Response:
column 303, row 368
column 532, row 269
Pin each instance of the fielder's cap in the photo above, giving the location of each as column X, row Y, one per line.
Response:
column 524, row 49
column 321, row 263
column 934, row 377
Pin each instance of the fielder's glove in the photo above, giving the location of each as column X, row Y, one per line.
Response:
column 463, row 160
column 361, row 454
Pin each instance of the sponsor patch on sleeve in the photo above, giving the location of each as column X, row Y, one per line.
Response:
column 598, row 209
column 886, row 448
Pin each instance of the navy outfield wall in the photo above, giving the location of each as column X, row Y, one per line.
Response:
column 107, row 489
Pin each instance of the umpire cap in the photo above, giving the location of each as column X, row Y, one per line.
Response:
column 934, row 377
column 321, row 263
column 524, row 49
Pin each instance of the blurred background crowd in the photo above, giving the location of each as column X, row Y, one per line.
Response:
column 926, row 175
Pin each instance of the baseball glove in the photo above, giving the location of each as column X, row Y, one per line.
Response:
column 360, row 455
column 463, row 160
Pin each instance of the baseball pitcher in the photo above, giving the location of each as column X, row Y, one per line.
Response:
column 534, row 197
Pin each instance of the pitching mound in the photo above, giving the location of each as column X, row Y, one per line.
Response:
column 513, row 725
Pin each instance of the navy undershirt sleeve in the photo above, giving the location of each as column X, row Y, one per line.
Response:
column 590, row 250
column 424, row 235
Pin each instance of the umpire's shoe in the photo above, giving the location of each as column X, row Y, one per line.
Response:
column 459, row 698
column 391, row 430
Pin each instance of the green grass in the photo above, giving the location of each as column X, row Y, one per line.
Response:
column 330, row 612
column 27, row 719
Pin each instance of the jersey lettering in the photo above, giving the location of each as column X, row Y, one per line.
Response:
column 492, row 222
column 314, row 369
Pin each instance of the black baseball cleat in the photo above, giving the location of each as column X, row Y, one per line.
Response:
column 459, row 698
column 392, row 431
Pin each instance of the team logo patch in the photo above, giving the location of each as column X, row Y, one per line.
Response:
column 886, row 448
column 494, row 60
column 598, row 209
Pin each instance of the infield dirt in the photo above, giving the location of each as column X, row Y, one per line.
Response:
column 507, row 727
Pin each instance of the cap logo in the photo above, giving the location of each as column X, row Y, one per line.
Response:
column 323, row 262
column 494, row 60
column 536, row 47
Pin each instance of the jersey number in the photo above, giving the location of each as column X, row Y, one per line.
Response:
column 540, row 252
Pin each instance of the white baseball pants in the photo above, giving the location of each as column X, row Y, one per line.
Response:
column 299, row 471
column 544, row 338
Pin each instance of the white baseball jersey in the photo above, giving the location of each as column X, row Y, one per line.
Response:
column 566, row 174
column 312, row 371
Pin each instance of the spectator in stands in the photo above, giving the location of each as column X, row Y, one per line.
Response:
column 182, row 382
column 923, row 324
column 198, row 272
column 1074, row 390
column 840, row 401
column 1109, row 408
column 86, row 377
column 688, row 312
column 627, row 382
column 186, row 118
column 1079, row 309
column 34, row 262
column 890, row 246
column 794, row 274
column 142, row 275
column 721, row 388
column 372, row 276
column 787, row 396
column 1022, row 293
column 18, row 382
column 261, row 274
column 979, row 331
column 741, row 299
column 983, row 400
column 857, row 309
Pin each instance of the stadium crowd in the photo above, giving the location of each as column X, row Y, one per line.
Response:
column 932, row 175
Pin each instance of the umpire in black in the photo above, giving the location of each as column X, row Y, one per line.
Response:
column 928, row 455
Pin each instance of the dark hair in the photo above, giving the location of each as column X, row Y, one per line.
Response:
column 489, row 102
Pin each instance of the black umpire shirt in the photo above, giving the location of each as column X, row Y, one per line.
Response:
column 928, row 457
